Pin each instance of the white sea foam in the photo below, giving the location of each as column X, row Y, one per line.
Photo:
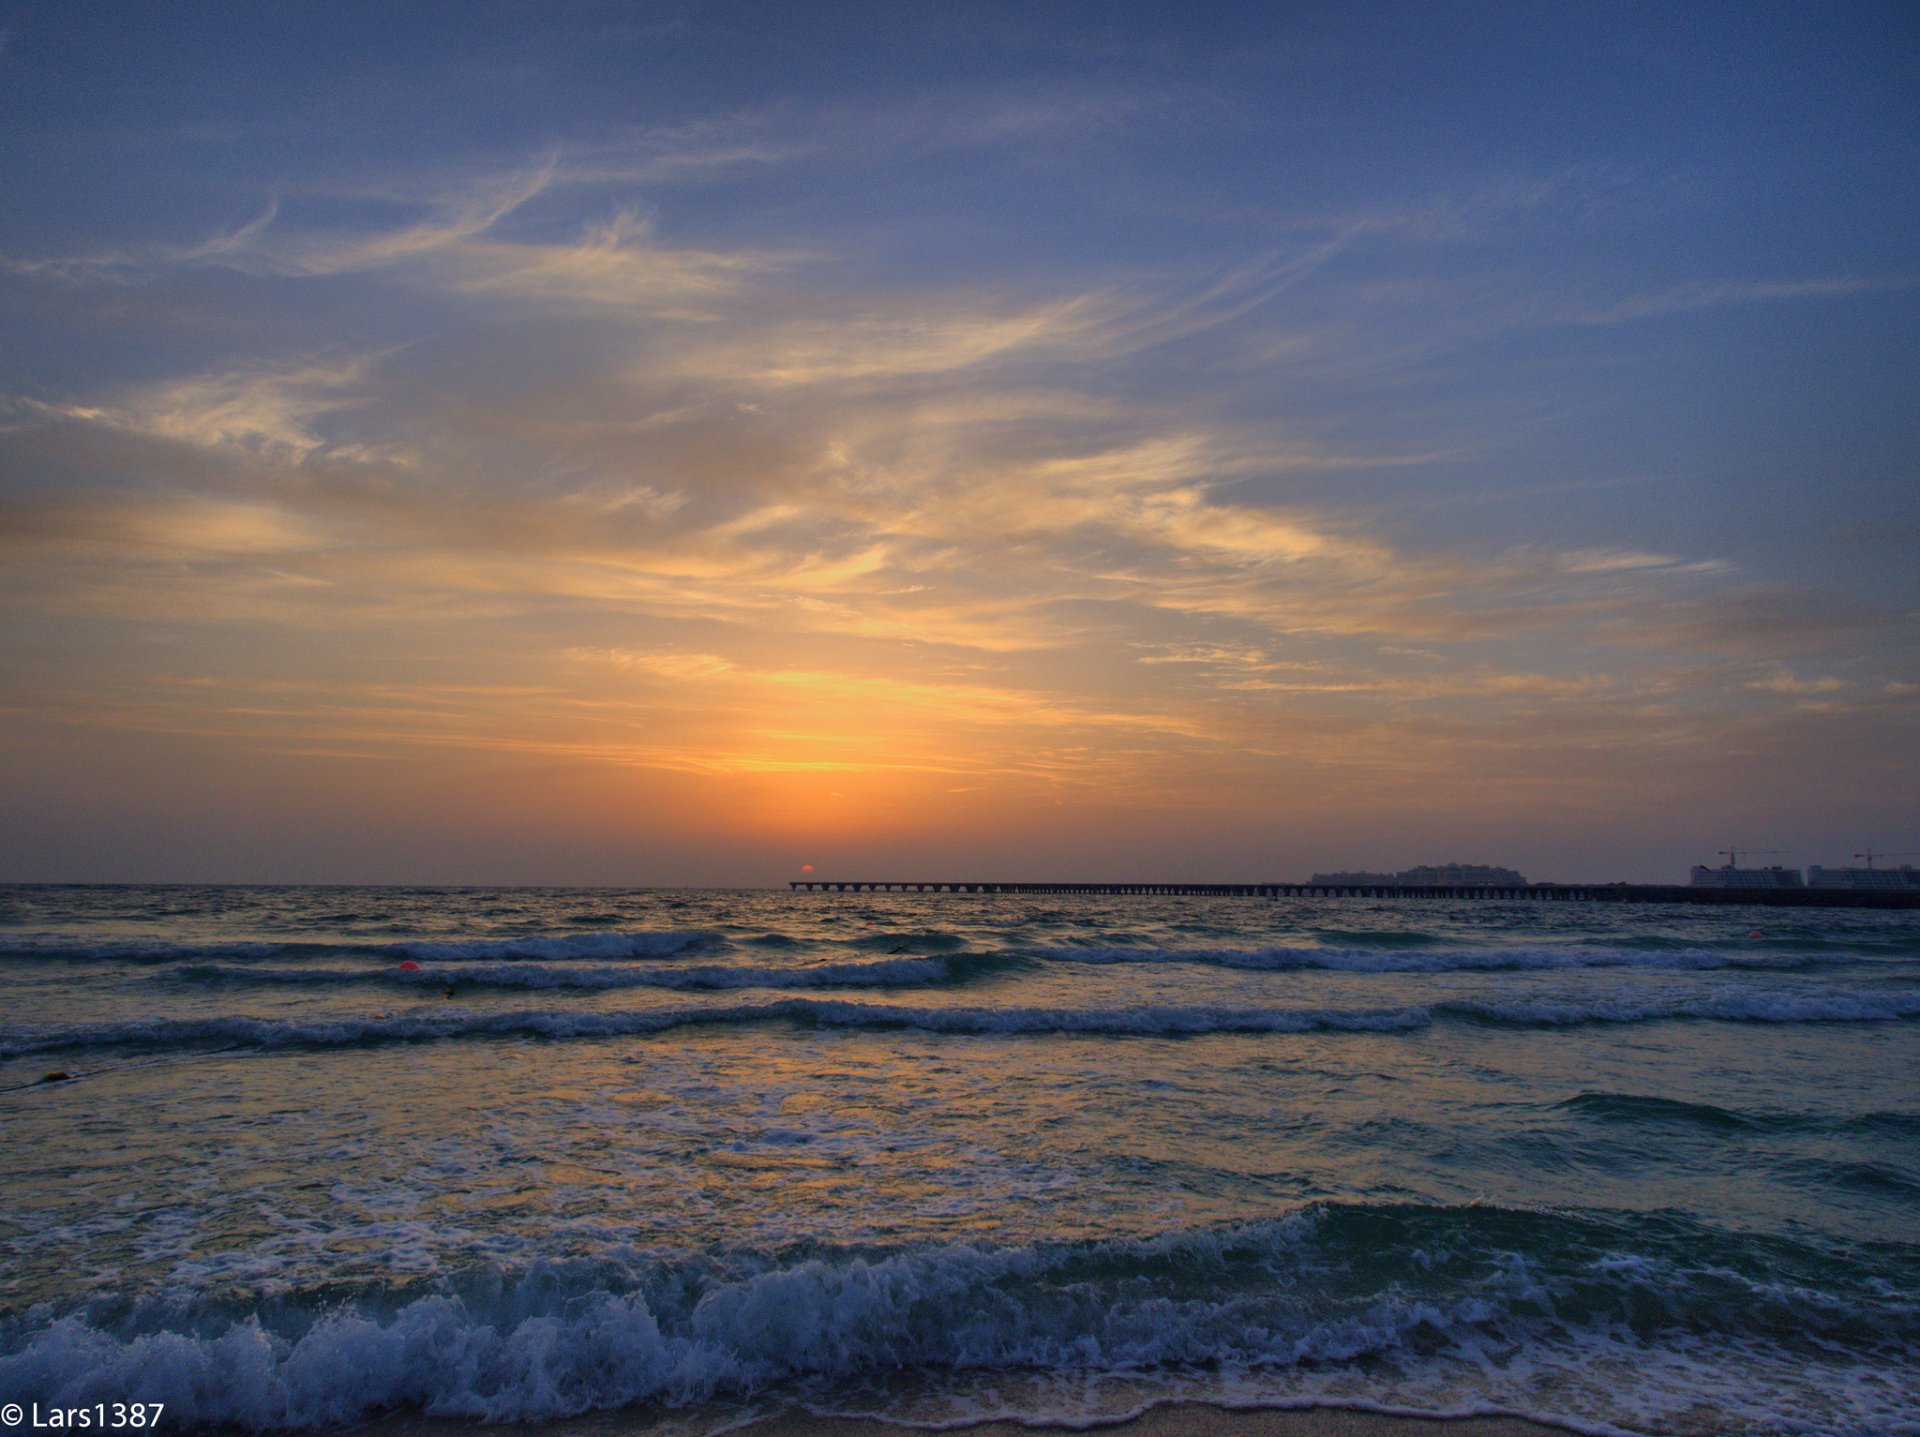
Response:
column 1135, row 1021
column 442, row 1023
column 1270, row 1308
column 1470, row 960
column 880, row 973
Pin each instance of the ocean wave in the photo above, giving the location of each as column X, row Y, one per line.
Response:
column 446, row 1023
column 643, row 944
column 64, row 947
column 1732, row 1006
column 1521, row 1307
column 931, row 972
column 938, row 940
column 1877, row 1179
column 1378, row 937
column 1639, row 1108
column 1642, row 1108
column 632, row 943
column 1469, row 960
column 1838, row 936
column 1145, row 1021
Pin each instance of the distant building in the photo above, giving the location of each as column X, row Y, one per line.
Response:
column 1728, row 876
column 1905, row 876
column 1429, row 875
column 1464, row 875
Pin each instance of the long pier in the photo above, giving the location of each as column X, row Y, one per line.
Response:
column 1532, row 892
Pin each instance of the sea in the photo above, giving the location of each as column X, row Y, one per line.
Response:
column 297, row 1158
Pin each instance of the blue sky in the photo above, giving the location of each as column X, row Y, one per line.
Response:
column 674, row 443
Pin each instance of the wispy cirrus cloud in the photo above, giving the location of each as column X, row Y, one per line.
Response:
column 1720, row 294
column 940, row 541
column 630, row 498
column 269, row 409
column 456, row 245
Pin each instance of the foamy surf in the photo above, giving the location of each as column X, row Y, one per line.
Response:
column 1424, row 1298
column 1467, row 960
column 444, row 1023
column 447, row 1023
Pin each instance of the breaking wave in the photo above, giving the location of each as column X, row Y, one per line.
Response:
column 1768, row 1332
column 1143, row 1021
column 444, row 1023
column 880, row 973
column 1418, row 959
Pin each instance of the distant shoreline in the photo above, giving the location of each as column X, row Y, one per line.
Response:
column 1664, row 893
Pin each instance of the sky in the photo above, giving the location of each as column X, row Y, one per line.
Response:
column 678, row 443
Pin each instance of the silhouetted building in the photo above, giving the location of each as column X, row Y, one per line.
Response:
column 1727, row 876
column 1430, row 875
column 1905, row 876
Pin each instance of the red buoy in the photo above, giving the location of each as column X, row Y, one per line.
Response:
column 409, row 966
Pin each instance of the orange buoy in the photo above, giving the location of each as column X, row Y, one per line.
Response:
column 409, row 966
column 1754, row 934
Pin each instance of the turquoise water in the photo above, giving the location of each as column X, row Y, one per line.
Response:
column 943, row 1157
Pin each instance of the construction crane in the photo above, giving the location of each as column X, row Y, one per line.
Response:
column 1870, row 855
column 1733, row 854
